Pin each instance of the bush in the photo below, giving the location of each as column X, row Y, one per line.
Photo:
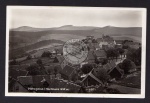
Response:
column 86, row 68
column 127, row 65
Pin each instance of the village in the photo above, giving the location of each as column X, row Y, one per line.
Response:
column 111, row 67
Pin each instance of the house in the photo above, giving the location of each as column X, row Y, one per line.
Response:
column 118, row 46
column 59, row 51
column 90, row 57
column 116, row 73
column 91, row 47
column 107, row 67
column 91, row 80
column 51, row 69
column 89, row 37
column 119, row 41
column 40, row 83
column 106, row 41
column 100, row 54
column 96, row 70
column 29, row 62
column 96, row 46
column 67, row 72
column 46, row 60
column 19, row 67
column 99, row 40
column 13, row 73
column 112, row 64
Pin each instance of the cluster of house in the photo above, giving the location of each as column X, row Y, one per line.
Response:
column 61, row 80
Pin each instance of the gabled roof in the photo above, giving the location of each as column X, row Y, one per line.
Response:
column 92, row 76
column 117, row 68
column 100, row 53
column 68, row 70
column 90, row 56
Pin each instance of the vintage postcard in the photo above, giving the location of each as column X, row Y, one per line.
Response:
column 56, row 51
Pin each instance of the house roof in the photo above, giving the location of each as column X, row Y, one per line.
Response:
column 19, row 67
column 38, row 80
column 107, row 67
column 117, row 68
column 11, row 84
column 25, row 80
column 29, row 62
column 67, row 70
column 64, row 84
column 99, row 40
column 90, row 56
column 119, row 41
column 100, row 53
column 91, row 75
column 15, row 73
column 112, row 64
column 96, row 45
column 50, row 69
column 91, row 46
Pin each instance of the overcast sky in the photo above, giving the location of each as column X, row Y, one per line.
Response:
column 46, row 17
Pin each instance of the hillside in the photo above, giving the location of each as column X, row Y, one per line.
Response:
column 25, row 35
column 38, row 45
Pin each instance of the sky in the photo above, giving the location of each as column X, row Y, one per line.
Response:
column 47, row 17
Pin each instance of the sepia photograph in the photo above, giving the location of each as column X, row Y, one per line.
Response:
column 58, row 51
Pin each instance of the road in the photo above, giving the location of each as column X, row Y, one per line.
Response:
column 126, row 90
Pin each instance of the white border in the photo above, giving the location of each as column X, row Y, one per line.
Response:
column 142, row 95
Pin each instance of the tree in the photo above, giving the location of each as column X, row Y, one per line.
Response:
column 33, row 70
column 39, row 62
column 94, row 41
column 120, row 51
column 46, row 54
column 134, row 55
column 112, row 53
column 127, row 65
column 86, row 68
column 29, row 57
